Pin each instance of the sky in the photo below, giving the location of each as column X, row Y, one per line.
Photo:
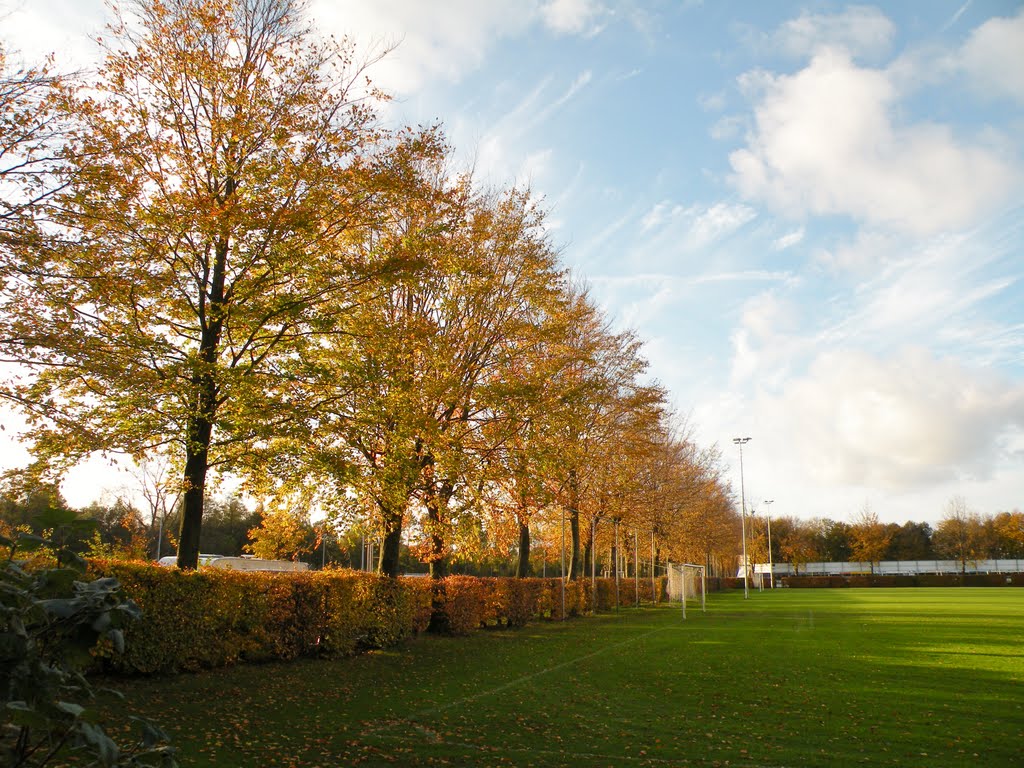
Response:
column 811, row 212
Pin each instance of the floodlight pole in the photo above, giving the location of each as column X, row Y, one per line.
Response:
column 771, row 565
column 741, row 441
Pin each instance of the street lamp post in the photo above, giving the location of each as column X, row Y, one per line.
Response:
column 771, row 566
column 741, row 441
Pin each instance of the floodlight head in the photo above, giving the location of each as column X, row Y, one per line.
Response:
column 741, row 440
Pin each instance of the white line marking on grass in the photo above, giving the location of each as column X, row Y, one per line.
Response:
column 513, row 683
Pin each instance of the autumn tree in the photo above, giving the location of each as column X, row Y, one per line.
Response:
column 869, row 538
column 1009, row 529
column 596, row 422
column 212, row 181
column 407, row 404
column 283, row 534
column 957, row 535
column 796, row 541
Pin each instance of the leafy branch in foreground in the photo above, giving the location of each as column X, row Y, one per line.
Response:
column 50, row 618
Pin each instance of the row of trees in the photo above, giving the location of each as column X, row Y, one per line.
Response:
column 961, row 534
column 214, row 256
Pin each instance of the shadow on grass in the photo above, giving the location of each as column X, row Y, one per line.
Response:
column 780, row 680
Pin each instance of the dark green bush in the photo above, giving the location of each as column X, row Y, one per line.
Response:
column 52, row 616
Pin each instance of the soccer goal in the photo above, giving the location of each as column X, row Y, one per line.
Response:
column 686, row 583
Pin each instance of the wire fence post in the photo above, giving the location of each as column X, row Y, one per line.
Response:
column 563, row 564
column 636, row 567
column 654, row 592
column 615, row 560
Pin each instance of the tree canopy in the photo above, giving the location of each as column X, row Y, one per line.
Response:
column 216, row 257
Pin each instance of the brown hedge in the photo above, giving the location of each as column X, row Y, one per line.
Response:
column 208, row 618
column 464, row 604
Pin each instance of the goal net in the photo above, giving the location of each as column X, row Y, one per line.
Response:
column 686, row 584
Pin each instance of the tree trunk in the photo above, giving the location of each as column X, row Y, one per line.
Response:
column 575, row 558
column 436, row 501
column 523, row 567
column 196, row 466
column 199, row 428
column 391, row 547
column 588, row 553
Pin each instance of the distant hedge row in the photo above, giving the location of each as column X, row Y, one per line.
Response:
column 463, row 604
column 906, row 580
column 209, row 618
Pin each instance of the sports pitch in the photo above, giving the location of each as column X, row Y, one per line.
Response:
column 830, row 677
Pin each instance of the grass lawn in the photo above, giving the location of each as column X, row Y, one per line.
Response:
column 828, row 677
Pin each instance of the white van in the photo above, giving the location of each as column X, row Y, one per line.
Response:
column 257, row 564
column 245, row 563
column 172, row 560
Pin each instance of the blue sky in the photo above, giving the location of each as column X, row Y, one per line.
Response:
column 812, row 212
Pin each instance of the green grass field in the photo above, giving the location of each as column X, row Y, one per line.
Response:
column 830, row 677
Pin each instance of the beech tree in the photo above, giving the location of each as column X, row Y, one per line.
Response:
column 958, row 534
column 870, row 539
column 397, row 409
column 596, row 392
column 213, row 177
column 1009, row 527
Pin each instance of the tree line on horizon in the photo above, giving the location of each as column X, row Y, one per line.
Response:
column 126, row 529
column 216, row 259
column 960, row 534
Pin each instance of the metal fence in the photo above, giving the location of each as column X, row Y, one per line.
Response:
column 890, row 568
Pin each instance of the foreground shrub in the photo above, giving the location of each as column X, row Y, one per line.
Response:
column 52, row 615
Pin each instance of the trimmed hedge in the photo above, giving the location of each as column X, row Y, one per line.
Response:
column 209, row 618
column 464, row 604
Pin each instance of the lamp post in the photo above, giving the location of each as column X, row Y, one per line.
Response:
column 741, row 441
column 771, row 566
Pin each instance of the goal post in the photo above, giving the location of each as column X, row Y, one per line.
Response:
column 686, row 582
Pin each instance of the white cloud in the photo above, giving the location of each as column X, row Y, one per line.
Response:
column 826, row 142
column 861, row 30
column 898, row 423
column 445, row 39
column 37, row 29
column 993, row 57
column 573, row 17
column 766, row 342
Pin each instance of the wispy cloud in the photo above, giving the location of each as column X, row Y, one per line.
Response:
column 788, row 240
column 956, row 16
